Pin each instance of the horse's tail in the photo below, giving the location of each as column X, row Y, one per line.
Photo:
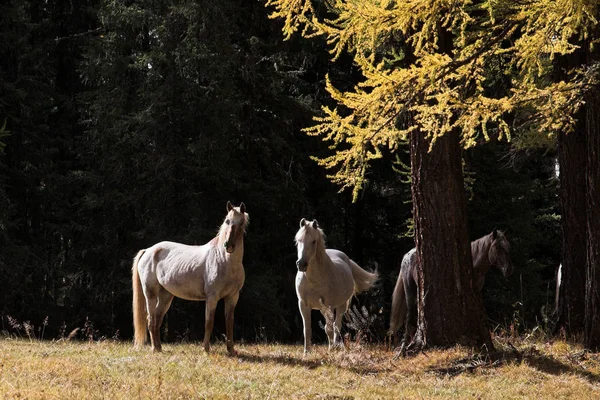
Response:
column 140, row 313
column 363, row 280
column 398, row 306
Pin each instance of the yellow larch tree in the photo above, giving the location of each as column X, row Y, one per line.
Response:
column 428, row 69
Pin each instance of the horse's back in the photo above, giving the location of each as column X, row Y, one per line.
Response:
column 179, row 268
column 408, row 267
column 337, row 254
column 169, row 246
column 341, row 261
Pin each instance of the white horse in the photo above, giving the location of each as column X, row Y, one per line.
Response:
column 326, row 281
column 210, row 272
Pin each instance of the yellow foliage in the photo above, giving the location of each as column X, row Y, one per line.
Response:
column 443, row 88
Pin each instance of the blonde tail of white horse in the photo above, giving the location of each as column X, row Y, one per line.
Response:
column 398, row 306
column 363, row 280
column 140, row 314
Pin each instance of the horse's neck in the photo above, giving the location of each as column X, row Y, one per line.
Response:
column 321, row 267
column 234, row 258
column 479, row 252
column 237, row 256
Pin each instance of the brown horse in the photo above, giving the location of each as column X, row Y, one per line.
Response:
column 490, row 250
column 210, row 272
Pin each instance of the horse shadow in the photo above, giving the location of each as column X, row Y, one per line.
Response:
column 290, row 360
column 551, row 365
column 283, row 359
column 534, row 358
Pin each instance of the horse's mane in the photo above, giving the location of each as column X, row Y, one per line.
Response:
column 320, row 234
column 220, row 238
column 479, row 244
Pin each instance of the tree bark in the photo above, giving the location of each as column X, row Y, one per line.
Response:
column 572, row 162
column 450, row 309
column 592, row 174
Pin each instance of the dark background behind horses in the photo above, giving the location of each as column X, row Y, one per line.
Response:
column 107, row 156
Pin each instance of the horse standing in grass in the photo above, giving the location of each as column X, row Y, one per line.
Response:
column 326, row 281
column 490, row 250
column 209, row 272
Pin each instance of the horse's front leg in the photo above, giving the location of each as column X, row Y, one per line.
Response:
column 211, row 306
column 305, row 312
column 230, row 303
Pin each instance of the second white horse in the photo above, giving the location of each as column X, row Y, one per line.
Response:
column 326, row 281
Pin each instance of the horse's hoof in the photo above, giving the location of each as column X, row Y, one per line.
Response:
column 339, row 346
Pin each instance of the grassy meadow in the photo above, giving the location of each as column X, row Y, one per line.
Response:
column 520, row 368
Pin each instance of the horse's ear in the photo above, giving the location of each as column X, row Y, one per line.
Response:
column 495, row 233
column 302, row 222
column 242, row 207
column 229, row 206
column 315, row 224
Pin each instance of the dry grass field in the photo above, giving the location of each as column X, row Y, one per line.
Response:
column 531, row 369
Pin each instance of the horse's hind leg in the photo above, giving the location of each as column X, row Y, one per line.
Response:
column 339, row 315
column 164, row 302
column 230, row 303
column 329, row 328
column 157, row 304
column 411, row 318
column 211, row 306
column 151, row 303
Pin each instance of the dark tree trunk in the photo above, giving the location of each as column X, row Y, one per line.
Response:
column 592, row 174
column 572, row 162
column 450, row 309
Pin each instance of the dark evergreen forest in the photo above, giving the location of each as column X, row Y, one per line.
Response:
column 131, row 122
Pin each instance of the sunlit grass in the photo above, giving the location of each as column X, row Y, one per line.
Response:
column 113, row 370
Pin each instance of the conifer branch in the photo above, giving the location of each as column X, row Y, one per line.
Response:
column 450, row 67
column 58, row 39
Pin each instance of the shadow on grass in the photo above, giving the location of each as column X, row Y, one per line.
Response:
column 290, row 360
column 280, row 359
column 532, row 356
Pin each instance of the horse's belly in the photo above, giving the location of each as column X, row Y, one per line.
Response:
column 315, row 297
column 198, row 288
column 186, row 285
column 186, row 292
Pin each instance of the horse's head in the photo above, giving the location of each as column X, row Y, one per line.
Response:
column 308, row 240
column 234, row 226
column 499, row 253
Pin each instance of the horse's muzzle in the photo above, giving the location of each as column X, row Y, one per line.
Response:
column 229, row 247
column 302, row 265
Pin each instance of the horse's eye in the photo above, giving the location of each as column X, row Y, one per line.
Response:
column 227, row 221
